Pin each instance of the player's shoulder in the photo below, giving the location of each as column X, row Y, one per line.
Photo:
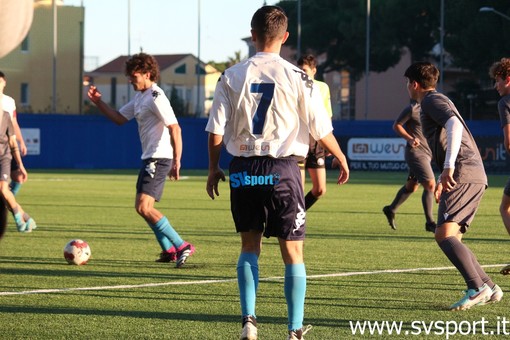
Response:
column 157, row 92
column 505, row 100
column 7, row 99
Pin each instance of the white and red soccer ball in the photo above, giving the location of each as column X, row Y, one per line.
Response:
column 77, row 252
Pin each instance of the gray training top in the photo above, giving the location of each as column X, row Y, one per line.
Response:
column 436, row 109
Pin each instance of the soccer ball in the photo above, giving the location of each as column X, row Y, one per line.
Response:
column 77, row 252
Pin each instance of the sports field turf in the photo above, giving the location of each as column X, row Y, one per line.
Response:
column 359, row 269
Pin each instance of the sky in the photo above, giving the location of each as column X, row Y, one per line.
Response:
column 166, row 27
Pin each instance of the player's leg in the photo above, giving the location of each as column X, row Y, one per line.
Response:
column 3, row 219
column 247, row 207
column 295, row 282
column 23, row 222
column 421, row 168
column 504, row 210
column 402, row 195
column 316, row 165
column 248, row 280
column 448, row 236
column 289, row 224
column 16, row 178
column 318, row 177
column 150, row 184
column 427, row 200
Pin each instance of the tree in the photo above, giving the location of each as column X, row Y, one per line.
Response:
column 178, row 104
column 338, row 28
column 476, row 39
column 222, row 66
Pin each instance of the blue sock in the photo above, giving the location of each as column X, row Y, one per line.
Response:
column 163, row 228
column 163, row 241
column 295, row 289
column 18, row 219
column 15, row 186
column 248, row 281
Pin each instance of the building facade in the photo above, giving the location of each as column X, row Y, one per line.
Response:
column 45, row 75
column 190, row 92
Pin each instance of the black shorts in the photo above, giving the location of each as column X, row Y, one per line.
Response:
column 14, row 165
column 152, row 176
column 316, row 158
column 266, row 195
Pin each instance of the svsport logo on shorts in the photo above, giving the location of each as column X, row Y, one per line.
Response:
column 241, row 179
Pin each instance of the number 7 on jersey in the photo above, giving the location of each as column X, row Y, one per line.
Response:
column 267, row 91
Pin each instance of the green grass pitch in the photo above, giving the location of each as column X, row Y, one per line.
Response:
column 359, row 269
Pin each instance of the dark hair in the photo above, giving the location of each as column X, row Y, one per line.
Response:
column 424, row 73
column 269, row 23
column 2, row 75
column 143, row 63
column 500, row 68
column 307, row 59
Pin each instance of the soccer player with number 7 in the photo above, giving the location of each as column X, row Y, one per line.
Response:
column 264, row 110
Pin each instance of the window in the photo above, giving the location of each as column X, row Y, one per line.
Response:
column 24, row 94
column 181, row 69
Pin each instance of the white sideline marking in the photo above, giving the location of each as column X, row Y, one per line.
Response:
column 276, row 278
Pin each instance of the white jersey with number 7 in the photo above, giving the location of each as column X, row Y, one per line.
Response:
column 265, row 106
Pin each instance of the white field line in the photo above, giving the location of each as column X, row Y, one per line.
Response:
column 200, row 282
column 58, row 179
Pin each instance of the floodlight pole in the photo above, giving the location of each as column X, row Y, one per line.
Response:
column 441, row 48
column 299, row 29
column 55, row 37
column 197, row 111
column 491, row 9
column 129, row 45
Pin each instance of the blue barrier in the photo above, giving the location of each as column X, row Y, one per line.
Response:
column 93, row 142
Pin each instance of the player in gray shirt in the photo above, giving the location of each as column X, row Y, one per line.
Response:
column 460, row 186
column 418, row 157
column 500, row 72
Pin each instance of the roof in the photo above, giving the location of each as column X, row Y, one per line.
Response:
column 117, row 65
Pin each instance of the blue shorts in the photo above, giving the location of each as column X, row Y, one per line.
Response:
column 266, row 195
column 152, row 177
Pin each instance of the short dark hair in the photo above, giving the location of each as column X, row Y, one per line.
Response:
column 424, row 73
column 143, row 63
column 307, row 59
column 269, row 23
column 500, row 68
column 2, row 75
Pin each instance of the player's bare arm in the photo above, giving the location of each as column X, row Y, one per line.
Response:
column 402, row 132
column 176, row 140
column 17, row 131
column 329, row 142
column 216, row 174
column 95, row 96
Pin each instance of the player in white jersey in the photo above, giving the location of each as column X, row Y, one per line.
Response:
column 263, row 111
column 160, row 136
column 9, row 150
column 9, row 105
column 315, row 161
